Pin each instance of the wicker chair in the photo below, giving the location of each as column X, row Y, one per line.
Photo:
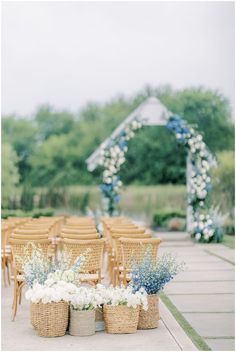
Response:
column 91, row 272
column 117, row 261
column 6, row 255
column 134, row 250
column 31, row 232
column 78, row 230
column 17, row 247
column 29, row 237
column 110, row 244
column 89, row 236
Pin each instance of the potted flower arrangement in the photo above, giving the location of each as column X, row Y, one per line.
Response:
column 51, row 306
column 121, row 309
column 50, row 285
column 82, row 311
column 152, row 275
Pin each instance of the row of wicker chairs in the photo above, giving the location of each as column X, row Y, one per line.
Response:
column 126, row 243
column 76, row 235
column 40, row 231
column 79, row 235
column 123, row 240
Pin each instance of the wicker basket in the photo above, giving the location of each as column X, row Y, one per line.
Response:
column 149, row 319
column 121, row 319
column 50, row 319
column 82, row 323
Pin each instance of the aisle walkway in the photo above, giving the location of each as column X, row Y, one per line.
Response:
column 20, row 335
column 204, row 293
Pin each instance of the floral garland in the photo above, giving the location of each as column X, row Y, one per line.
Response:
column 112, row 157
column 200, row 182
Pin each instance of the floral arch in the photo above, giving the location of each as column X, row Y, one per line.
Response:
column 111, row 155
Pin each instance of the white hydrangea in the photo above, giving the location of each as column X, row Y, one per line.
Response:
column 198, row 236
column 124, row 296
column 60, row 291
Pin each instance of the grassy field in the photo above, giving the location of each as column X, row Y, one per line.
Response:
column 139, row 202
column 229, row 241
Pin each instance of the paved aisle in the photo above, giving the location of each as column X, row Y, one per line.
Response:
column 204, row 293
column 19, row 335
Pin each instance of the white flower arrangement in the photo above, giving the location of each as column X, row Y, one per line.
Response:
column 112, row 158
column 202, row 228
column 116, row 296
column 48, row 293
column 86, row 298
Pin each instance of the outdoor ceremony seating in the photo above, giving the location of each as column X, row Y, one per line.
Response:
column 92, row 269
column 6, row 255
column 118, row 256
column 123, row 239
column 134, row 250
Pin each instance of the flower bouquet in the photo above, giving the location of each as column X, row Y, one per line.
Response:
column 152, row 275
column 121, row 309
column 82, row 311
column 50, row 285
column 49, row 307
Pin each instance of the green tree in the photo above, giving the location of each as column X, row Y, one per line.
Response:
column 223, row 181
column 50, row 122
column 21, row 134
column 10, row 174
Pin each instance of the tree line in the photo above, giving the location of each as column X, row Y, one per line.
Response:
column 50, row 148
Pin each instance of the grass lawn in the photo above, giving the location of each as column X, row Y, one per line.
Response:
column 137, row 202
column 229, row 241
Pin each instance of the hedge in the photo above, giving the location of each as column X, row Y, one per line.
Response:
column 36, row 213
column 160, row 218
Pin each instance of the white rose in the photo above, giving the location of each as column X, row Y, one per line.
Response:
column 198, row 236
column 201, row 225
column 199, row 137
column 206, row 237
column 108, row 180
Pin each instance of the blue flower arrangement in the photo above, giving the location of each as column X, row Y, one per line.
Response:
column 153, row 274
column 37, row 266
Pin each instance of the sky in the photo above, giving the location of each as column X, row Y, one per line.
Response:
column 70, row 53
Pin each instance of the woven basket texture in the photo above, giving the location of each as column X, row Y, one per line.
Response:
column 51, row 319
column 121, row 319
column 149, row 319
column 82, row 323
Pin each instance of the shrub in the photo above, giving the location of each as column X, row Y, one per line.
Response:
column 229, row 228
column 160, row 218
column 223, row 182
column 36, row 213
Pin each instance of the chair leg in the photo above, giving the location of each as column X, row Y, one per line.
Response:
column 8, row 274
column 20, row 295
column 4, row 272
column 14, row 305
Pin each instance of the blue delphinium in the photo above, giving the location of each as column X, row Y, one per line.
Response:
column 37, row 265
column 153, row 274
